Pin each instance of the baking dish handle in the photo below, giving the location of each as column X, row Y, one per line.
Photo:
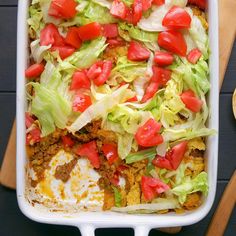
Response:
column 141, row 230
column 87, row 230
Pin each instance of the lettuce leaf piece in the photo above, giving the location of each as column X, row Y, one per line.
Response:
column 128, row 70
column 50, row 107
column 101, row 108
column 136, row 33
column 157, row 205
column 141, row 155
column 88, row 53
column 195, row 76
column 38, row 52
column 128, row 118
column 125, row 144
column 117, row 195
column 35, row 20
column 198, row 184
column 92, row 11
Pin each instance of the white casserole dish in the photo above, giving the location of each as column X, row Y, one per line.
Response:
column 87, row 222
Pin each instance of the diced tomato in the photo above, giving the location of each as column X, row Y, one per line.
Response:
column 173, row 41
column 72, row 38
column 194, row 55
column 67, row 141
column 133, row 99
column 146, row 4
column 90, row 151
column 177, row 18
column 150, row 91
column 29, row 120
column 129, row 16
column 158, row 2
column 161, row 75
column 64, row 51
column 163, row 58
column 81, row 102
column 137, row 11
column 137, row 52
column 106, row 71
column 191, row 101
column 110, row 152
column 95, row 70
column 173, row 158
column 121, row 168
column 151, row 187
column 63, row 9
column 115, row 42
column 147, row 135
column 80, row 80
column 90, row 31
column 51, row 36
column 34, row 136
column 34, row 70
column 118, row 9
column 159, row 79
column 110, row 30
column 200, row 3
column 115, row 179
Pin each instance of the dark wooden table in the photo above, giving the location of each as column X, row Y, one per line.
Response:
column 13, row 222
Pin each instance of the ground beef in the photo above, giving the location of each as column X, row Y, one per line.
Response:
column 63, row 171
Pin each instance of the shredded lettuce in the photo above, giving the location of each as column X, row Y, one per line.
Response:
column 101, row 108
column 141, row 155
column 35, row 20
column 160, row 204
column 88, row 53
column 38, row 52
column 50, row 107
column 198, row 184
column 136, row 33
column 117, row 195
column 128, row 70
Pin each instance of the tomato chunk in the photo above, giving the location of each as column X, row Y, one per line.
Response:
column 137, row 52
column 63, row 9
column 173, row 41
column 51, row 36
column 177, row 18
column 105, row 73
column 90, row 31
column 100, row 72
column 151, row 187
column 110, row 30
column 81, row 102
column 133, row 99
column 67, row 141
column 147, row 135
column 159, row 79
column 80, row 80
column 194, row 55
column 116, row 42
column 34, row 70
column 72, row 38
column 110, row 152
column 29, row 120
column 190, row 100
column 118, row 9
column 163, row 58
column 137, row 11
column 90, row 151
column 64, row 51
column 173, row 158
column 34, row 136
column 200, row 3
column 146, row 4
column 158, row 2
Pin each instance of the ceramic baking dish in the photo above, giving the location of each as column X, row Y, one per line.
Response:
column 88, row 221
